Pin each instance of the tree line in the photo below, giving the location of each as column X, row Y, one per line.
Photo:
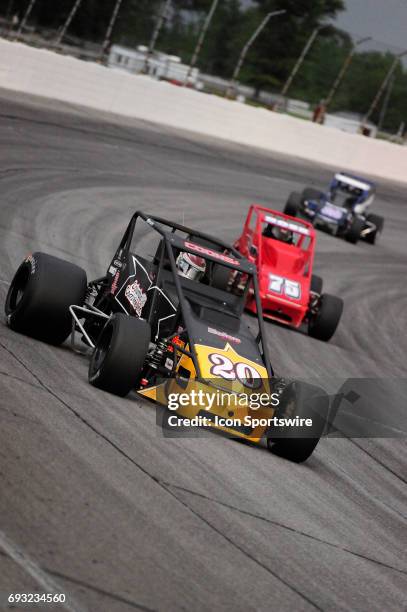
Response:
column 269, row 61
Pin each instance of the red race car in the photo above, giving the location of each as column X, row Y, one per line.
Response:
column 282, row 247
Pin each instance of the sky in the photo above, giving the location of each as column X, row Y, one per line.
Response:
column 384, row 20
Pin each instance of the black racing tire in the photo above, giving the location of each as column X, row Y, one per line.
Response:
column 307, row 402
column 379, row 223
column 38, row 300
column 354, row 231
column 220, row 277
column 323, row 325
column 117, row 361
column 293, row 205
column 310, row 193
column 316, row 284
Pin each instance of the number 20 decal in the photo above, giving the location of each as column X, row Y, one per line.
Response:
column 243, row 372
column 278, row 284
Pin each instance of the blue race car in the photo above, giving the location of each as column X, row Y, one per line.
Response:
column 343, row 210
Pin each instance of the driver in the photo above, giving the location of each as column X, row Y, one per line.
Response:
column 191, row 266
column 278, row 233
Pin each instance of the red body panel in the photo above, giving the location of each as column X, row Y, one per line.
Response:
column 284, row 270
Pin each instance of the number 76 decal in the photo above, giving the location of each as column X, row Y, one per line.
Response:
column 278, row 284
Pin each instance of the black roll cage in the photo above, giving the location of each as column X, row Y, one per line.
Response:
column 234, row 261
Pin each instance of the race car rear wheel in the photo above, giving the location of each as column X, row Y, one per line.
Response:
column 379, row 223
column 293, row 205
column 297, row 443
column 310, row 193
column 324, row 323
column 354, row 231
column 119, row 355
column 38, row 300
column 316, row 284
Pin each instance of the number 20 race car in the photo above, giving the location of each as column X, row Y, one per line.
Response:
column 282, row 248
column 164, row 325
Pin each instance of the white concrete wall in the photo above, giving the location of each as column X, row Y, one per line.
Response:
column 48, row 74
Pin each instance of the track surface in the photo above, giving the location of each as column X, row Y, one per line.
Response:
column 92, row 498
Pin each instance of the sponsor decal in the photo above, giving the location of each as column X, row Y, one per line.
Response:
column 136, row 296
column 115, row 282
column 289, row 225
column 332, row 211
column 30, row 259
column 224, row 335
column 204, row 251
column 117, row 263
column 112, row 270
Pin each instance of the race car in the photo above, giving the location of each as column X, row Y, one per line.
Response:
column 159, row 324
column 282, row 248
column 343, row 210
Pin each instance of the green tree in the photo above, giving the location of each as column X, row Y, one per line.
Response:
column 322, row 66
column 274, row 53
column 221, row 44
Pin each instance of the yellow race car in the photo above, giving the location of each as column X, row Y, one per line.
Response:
column 170, row 325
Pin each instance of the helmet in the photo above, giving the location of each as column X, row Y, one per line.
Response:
column 190, row 266
column 282, row 234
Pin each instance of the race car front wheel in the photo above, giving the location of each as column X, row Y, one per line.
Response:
column 38, row 300
column 304, row 409
column 323, row 324
column 120, row 352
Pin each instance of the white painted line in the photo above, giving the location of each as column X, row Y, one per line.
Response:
column 30, row 567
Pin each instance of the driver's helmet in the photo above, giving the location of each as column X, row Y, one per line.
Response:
column 190, row 266
column 282, row 234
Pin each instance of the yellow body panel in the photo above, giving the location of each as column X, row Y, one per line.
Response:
column 229, row 402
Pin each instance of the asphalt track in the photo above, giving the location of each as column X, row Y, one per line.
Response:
column 93, row 501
